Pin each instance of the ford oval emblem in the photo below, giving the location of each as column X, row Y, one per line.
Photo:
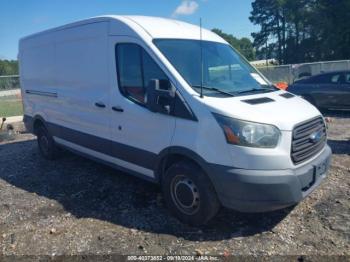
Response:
column 316, row 137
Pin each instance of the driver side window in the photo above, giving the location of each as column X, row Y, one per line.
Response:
column 135, row 68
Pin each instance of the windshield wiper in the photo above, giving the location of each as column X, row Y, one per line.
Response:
column 253, row 90
column 213, row 89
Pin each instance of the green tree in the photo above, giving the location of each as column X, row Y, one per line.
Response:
column 243, row 45
column 331, row 28
column 271, row 16
column 8, row 67
column 302, row 30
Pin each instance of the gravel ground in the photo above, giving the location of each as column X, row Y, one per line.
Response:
column 76, row 206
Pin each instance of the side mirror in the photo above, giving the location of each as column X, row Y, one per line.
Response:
column 160, row 95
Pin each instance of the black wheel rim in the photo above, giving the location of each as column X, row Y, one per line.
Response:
column 185, row 194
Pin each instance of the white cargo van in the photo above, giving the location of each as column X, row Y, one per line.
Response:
column 164, row 101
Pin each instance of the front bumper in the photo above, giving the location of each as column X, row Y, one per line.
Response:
column 267, row 190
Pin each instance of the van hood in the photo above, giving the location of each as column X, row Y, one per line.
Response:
column 271, row 108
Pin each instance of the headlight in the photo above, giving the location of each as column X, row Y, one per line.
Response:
column 244, row 133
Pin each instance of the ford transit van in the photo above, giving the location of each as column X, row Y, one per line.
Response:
column 174, row 104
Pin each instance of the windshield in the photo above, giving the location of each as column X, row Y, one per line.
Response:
column 224, row 70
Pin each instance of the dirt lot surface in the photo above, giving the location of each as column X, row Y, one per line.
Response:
column 76, row 206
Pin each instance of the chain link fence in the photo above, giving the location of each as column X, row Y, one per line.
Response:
column 9, row 82
column 10, row 96
column 290, row 73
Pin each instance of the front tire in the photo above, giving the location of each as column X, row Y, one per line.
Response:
column 189, row 194
column 46, row 144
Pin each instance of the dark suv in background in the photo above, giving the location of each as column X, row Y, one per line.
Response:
column 325, row 91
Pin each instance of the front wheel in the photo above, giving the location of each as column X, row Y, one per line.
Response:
column 189, row 194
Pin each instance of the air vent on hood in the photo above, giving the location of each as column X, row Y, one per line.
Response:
column 287, row 95
column 256, row 101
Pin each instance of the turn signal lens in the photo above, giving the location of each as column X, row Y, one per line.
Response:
column 230, row 136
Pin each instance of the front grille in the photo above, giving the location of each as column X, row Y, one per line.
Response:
column 305, row 144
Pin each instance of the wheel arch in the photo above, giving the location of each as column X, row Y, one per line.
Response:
column 38, row 120
column 174, row 154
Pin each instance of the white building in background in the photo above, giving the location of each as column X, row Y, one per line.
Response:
column 263, row 62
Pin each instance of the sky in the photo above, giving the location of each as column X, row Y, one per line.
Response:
column 19, row 18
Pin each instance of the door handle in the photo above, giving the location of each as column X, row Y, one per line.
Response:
column 100, row 104
column 117, row 109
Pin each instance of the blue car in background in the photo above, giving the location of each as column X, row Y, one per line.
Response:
column 325, row 91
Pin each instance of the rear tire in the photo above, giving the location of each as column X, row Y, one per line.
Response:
column 189, row 194
column 46, row 144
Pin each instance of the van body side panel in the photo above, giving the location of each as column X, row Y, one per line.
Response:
column 38, row 75
column 64, row 73
column 77, row 75
column 136, row 126
column 134, row 159
column 81, row 74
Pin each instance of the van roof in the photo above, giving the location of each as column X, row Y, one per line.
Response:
column 155, row 27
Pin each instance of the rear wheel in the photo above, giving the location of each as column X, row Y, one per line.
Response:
column 46, row 144
column 189, row 194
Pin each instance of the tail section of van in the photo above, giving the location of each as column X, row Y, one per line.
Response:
column 163, row 101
